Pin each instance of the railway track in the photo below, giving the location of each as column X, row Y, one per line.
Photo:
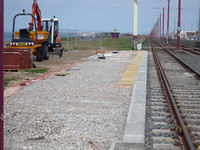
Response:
column 190, row 61
column 173, row 106
column 188, row 49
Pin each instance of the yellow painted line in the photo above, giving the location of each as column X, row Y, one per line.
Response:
column 129, row 77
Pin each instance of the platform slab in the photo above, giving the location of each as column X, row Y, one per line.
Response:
column 135, row 125
column 129, row 77
column 126, row 146
column 134, row 133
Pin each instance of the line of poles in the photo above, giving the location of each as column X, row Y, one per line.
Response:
column 156, row 31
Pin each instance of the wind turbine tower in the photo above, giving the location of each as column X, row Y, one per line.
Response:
column 135, row 20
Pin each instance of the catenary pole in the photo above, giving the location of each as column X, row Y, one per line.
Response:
column 168, row 22
column 163, row 23
column 179, row 25
column 199, row 27
column 1, row 72
column 160, row 27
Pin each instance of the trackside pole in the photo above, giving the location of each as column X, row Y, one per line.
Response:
column 168, row 22
column 199, row 27
column 135, row 21
column 163, row 25
column 179, row 25
column 160, row 27
column 1, row 73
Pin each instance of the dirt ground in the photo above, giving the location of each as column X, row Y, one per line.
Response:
column 54, row 63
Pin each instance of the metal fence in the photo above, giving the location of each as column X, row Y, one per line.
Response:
column 90, row 39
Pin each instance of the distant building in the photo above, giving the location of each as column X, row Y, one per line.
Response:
column 115, row 34
column 125, row 34
column 186, row 35
column 103, row 34
column 128, row 34
column 88, row 34
column 191, row 35
column 173, row 35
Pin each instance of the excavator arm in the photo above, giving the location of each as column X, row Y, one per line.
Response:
column 36, row 10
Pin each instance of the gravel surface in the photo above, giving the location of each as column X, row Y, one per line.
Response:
column 54, row 63
column 191, row 60
column 188, row 58
column 82, row 110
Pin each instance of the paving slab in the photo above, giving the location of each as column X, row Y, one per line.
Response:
column 136, row 125
column 134, row 134
column 129, row 77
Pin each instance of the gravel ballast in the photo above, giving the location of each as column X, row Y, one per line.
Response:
column 85, row 109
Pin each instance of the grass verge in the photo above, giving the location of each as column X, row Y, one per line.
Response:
column 123, row 43
column 42, row 70
column 7, row 80
column 145, row 42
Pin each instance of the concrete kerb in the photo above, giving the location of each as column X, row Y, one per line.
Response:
column 134, row 134
column 128, row 145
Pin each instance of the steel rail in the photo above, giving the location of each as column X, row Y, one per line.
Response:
column 183, row 63
column 188, row 49
column 191, row 51
column 196, row 49
column 186, row 140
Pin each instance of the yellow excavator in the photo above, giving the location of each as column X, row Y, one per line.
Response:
column 43, row 37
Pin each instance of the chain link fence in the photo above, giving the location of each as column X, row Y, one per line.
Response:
column 95, row 40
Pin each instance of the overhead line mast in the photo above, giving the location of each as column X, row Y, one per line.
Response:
column 163, row 24
column 160, row 27
column 168, row 22
column 199, row 27
column 179, row 25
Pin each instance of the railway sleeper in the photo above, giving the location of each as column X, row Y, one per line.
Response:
column 163, row 146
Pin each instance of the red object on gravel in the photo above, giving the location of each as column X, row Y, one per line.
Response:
column 17, row 59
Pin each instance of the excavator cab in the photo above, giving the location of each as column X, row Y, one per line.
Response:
column 51, row 26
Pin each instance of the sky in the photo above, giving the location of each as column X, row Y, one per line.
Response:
column 106, row 15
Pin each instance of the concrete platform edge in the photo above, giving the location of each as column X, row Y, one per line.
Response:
column 128, row 145
column 134, row 133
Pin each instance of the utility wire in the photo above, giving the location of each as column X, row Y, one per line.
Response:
column 156, row 13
